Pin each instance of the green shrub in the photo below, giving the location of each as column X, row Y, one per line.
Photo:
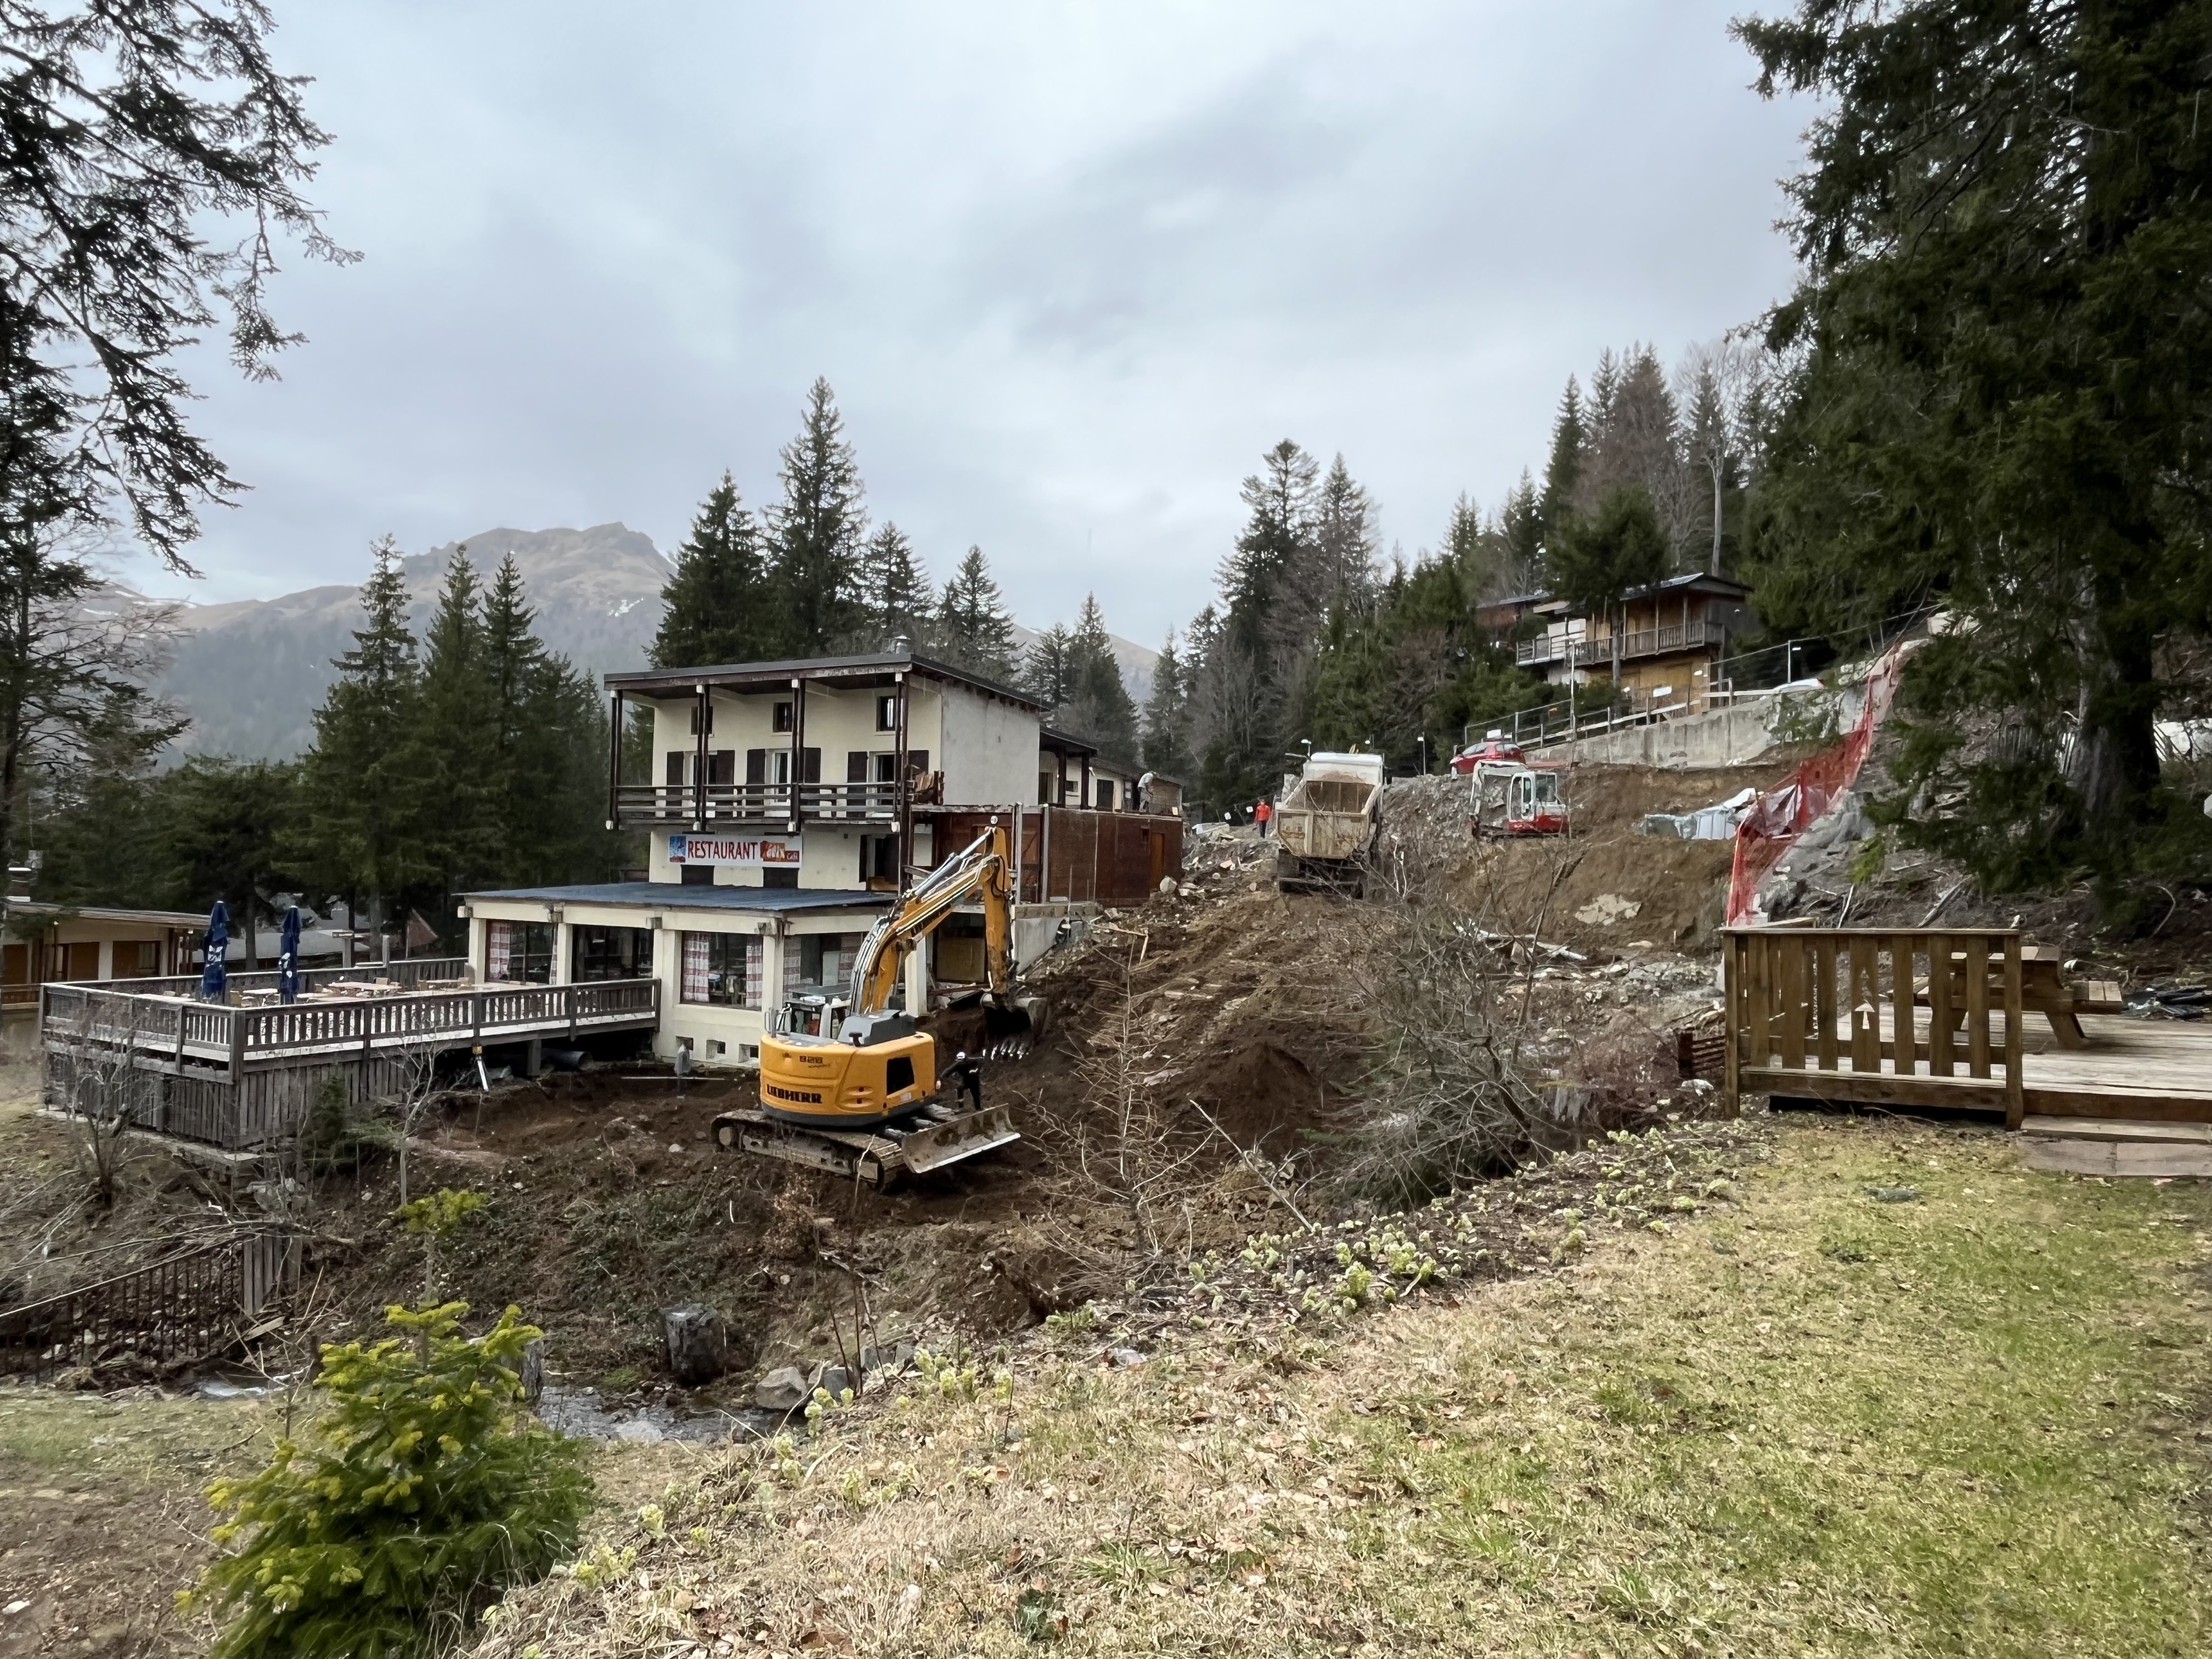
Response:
column 422, row 1494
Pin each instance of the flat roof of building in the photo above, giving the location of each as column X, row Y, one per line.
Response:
column 105, row 912
column 869, row 668
column 675, row 895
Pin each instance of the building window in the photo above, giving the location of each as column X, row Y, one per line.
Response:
column 879, row 860
column 785, row 717
column 823, row 961
column 887, row 712
column 519, row 953
column 694, row 718
column 1105, row 790
column 722, row 969
column 611, row 953
column 780, row 876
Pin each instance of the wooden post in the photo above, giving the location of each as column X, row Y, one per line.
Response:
column 798, row 749
column 706, row 712
column 902, row 805
column 614, row 763
column 1939, row 1005
column 1866, row 1004
column 238, row 1017
column 1732, row 1002
column 2015, row 1095
column 1978, row 1005
column 1824, row 998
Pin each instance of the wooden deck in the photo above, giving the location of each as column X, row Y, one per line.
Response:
column 2132, row 1069
column 1868, row 1017
column 240, row 1077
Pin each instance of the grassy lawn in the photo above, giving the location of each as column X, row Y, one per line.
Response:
column 1963, row 1421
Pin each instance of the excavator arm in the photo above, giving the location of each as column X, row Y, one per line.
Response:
column 984, row 870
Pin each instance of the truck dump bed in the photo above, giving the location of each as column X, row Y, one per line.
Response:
column 1329, row 813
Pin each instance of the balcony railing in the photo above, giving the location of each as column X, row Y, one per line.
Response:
column 768, row 805
column 1596, row 649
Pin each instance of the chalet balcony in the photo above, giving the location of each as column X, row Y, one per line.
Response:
column 1596, row 651
column 762, row 805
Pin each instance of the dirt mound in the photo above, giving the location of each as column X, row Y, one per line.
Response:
column 1603, row 886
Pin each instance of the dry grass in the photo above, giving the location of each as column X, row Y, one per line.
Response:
column 1806, row 1423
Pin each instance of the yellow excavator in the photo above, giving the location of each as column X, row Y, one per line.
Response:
column 856, row 1092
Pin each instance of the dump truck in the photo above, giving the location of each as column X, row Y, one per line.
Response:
column 1325, row 822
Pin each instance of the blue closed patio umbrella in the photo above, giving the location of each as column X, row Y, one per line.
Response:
column 288, row 957
column 212, row 976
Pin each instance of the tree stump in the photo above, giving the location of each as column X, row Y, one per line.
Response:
column 698, row 1350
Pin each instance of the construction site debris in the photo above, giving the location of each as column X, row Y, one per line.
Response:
column 1714, row 823
column 2169, row 1002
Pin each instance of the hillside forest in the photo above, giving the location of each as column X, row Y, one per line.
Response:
column 1982, row 401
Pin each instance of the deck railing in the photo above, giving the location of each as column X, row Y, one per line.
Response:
column 767, row 805
column 167, row 1028
column 405, row 974
column 1831, row 1013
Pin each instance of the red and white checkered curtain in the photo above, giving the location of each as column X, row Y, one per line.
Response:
column 696, row 949
column 499, row 950
column 754, row 957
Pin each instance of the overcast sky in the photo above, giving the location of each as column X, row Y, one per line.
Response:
column 1069, row 268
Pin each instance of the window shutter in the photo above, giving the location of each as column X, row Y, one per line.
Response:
column 917, row 760
column 810, row 766
column 722, row 766
column 856, row 766
column 756, row 766
column 676, row 768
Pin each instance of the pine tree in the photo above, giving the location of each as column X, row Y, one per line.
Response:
column 1619, row 551
column 1048, row 668
column 2003, row 231
column 1344, row 545
column 717, row 604
column 1098, row 704
column 365, row 809
column 1521, row 530
column 816, row 532
column 1563, row 472
column 1167, row 716
column 1280, row 500
column 974, row 628
column 455, row 732
column 897, row 592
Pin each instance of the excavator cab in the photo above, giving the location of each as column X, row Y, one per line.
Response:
column 879, row 1068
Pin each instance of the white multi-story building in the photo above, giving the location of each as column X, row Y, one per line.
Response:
column 785, row 805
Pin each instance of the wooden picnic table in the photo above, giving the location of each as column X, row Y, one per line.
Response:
column 2043, row 990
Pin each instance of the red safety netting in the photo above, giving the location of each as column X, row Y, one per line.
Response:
column 1772, row 822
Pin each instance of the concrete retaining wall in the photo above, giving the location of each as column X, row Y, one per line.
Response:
column 1722, row 737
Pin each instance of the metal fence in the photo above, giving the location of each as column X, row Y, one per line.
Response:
column 189, row 1306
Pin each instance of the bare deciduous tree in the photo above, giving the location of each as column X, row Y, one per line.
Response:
column 1722, row 384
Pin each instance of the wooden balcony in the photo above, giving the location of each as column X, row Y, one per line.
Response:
column 1596, row 650
column 753, row 806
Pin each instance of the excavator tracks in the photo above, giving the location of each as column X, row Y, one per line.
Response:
column 876, row 1156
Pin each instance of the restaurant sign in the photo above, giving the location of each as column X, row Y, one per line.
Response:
column 744, row 851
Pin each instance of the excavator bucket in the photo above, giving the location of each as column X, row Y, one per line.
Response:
column 1011, row 1030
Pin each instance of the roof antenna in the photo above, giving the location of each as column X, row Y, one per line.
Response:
column 902, row 646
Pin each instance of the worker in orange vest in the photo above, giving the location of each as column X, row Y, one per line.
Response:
column 1261, row 813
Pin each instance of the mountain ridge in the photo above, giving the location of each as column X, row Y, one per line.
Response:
column 250, row 672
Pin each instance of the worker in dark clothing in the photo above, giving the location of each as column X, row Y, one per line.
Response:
column 966, row 1071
